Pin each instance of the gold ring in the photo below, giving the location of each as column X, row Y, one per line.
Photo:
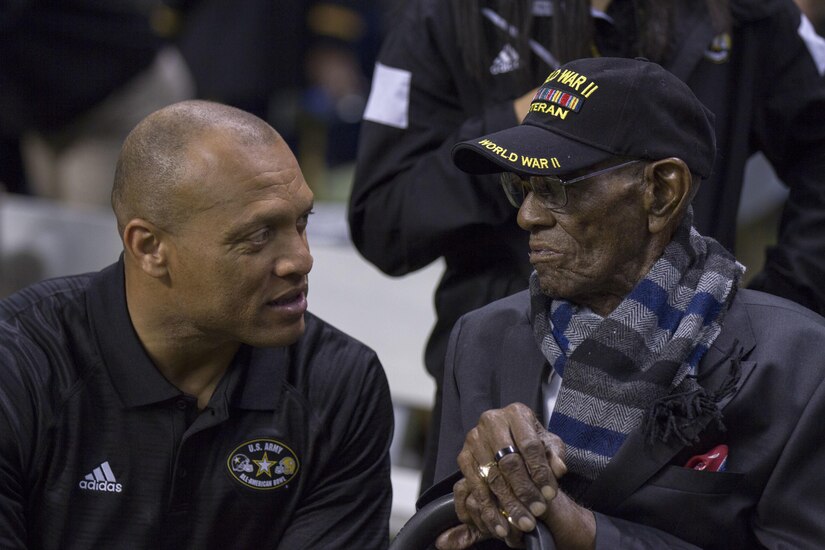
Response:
column 484, row 470
column 506, row 515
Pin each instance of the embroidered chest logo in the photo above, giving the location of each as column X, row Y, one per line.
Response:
column 263, row 464
column 101, row 479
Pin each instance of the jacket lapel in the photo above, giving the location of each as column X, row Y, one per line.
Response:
column 637, row 461
column 522, row 383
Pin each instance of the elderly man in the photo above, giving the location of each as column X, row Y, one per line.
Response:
column 634, row 396
column 184, row 397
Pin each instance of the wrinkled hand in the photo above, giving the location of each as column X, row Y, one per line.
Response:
column 469, row 533
column 519, row 487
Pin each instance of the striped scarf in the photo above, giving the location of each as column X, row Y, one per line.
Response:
column 636, row 367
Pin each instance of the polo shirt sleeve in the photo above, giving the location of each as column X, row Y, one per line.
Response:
column 349, row 501
column 12, row 474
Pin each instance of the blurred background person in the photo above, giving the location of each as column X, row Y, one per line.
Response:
column 76, row 76
column 79, row 74
column 302, row 65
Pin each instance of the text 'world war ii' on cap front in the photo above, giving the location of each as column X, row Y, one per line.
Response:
column 590, row 110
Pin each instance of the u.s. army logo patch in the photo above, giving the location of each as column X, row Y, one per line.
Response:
column 263, row 464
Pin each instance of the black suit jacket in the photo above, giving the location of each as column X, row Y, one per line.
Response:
column 772, row 493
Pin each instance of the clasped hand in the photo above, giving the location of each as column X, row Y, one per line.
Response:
column 511, row 466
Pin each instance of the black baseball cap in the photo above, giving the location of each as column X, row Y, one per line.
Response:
column 593, row 109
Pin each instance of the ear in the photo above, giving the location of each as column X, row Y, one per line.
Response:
column 668, row 193
column 147, row 245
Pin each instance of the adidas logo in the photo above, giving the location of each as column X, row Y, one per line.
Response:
column 101, row 479
column 507, row 60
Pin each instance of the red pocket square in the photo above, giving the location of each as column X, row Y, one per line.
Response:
column 712, row 461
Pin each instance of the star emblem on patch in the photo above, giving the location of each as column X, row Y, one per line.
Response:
column 264, row 465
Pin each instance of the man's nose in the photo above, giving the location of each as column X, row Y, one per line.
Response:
column 533, row 213
column 295, row 258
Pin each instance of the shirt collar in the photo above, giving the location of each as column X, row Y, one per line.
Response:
column 134, row 376
column 257, row 376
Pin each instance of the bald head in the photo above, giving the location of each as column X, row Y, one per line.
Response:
column 153, row 163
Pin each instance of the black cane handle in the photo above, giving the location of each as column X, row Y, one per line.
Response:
column 423, row 528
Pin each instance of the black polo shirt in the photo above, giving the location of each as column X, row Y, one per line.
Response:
column 99, row 450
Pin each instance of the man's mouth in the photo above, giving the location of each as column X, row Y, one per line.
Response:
column 539, row 252
column 293, row 302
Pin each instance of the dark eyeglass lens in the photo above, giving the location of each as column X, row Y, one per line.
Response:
column 550, row 189
column 513, row 188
